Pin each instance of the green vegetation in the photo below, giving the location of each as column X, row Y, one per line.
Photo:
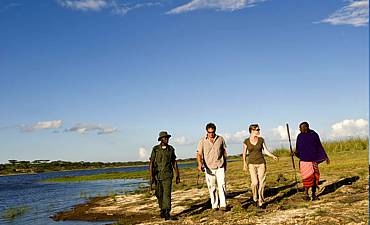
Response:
column 280, row 152
column 40, row 166
column 12, row 213
column 349, row 145
column 103, row 176
column 279, row 173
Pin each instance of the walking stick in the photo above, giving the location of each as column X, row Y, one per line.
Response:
column 292, row 155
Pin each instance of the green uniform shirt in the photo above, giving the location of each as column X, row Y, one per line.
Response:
column 163, row 159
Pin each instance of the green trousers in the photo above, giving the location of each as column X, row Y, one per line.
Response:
column 163, row 193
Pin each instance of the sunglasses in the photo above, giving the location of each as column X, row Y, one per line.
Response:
column 257, row 129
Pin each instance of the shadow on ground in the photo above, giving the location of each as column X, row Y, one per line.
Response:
column 334, row 186
column 276, row 193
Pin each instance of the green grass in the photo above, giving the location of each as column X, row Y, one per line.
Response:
column 282, row 152
column 349, row 145
column 103, row 176
column 347, row 157
column 12, row 213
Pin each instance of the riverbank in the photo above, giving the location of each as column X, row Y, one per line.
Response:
column 343, row 196
column 57, row 169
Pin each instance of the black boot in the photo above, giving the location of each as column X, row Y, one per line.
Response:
column 162, row 214
column 168, row 216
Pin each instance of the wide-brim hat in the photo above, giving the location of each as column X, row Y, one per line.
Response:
column 163, row 134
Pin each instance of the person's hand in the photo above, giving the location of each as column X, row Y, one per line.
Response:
column 151, row 183
column 200, row 167
column 328, row 161
column 177, row 179
column 245, row 167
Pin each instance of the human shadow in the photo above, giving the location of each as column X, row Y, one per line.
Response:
column 273, row 191
column 277, row 194
column 337, row 184
column 324, row 190
column 196, row 208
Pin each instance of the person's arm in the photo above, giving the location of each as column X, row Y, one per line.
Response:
column 199, row 159
column 296, row 151
column 224, row 153
column 152, row 168
column 200, row 155
column 322, row 149
column 225, row 158
column 267, row 152
column 152, row 175
column 245, row 163
column 176, row 168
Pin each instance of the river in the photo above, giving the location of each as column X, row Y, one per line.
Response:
column 42, row 200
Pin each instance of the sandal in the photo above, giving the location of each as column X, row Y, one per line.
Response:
column 306, row 198
column 315, row 198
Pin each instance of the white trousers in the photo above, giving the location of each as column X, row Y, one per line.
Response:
column 216, row 186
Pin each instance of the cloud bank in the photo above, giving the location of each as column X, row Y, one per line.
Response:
column 142, row 153
column 181, row 141
column 114, row 6
column 52, row 124
column 235, row 138
column 281, row 133
column 355, row 13
column 221, row 5
column 84, row 5
column 350, row 128
column 88, row 128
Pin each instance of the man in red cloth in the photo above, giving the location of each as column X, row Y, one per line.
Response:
column 310, row 152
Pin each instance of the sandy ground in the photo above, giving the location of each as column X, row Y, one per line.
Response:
column 343, row 201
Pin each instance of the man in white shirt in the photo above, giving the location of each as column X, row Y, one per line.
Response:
column 212, row 153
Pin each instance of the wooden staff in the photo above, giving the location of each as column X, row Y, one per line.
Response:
column 291, row 153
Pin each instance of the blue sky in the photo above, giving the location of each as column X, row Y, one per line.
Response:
column 97, row 80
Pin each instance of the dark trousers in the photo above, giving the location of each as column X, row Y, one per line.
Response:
column 163, row 193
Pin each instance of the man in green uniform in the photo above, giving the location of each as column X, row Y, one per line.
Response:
column 162, row 164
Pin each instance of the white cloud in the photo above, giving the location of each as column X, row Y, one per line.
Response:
column 124, row 9
column 182, row 141
column 355, row 13
column 350, row 128
column 53, row 124
column 281, row 133
column 84, row 5
column 107, row 130
column 87, row 128
column 235, row 138
column 142, row 153
column 97, row 5
column 223, row 5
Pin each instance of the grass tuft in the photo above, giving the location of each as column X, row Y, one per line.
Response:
column 12, row 213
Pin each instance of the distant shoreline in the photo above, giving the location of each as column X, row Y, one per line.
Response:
column 94, row 168
column 56, row 171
